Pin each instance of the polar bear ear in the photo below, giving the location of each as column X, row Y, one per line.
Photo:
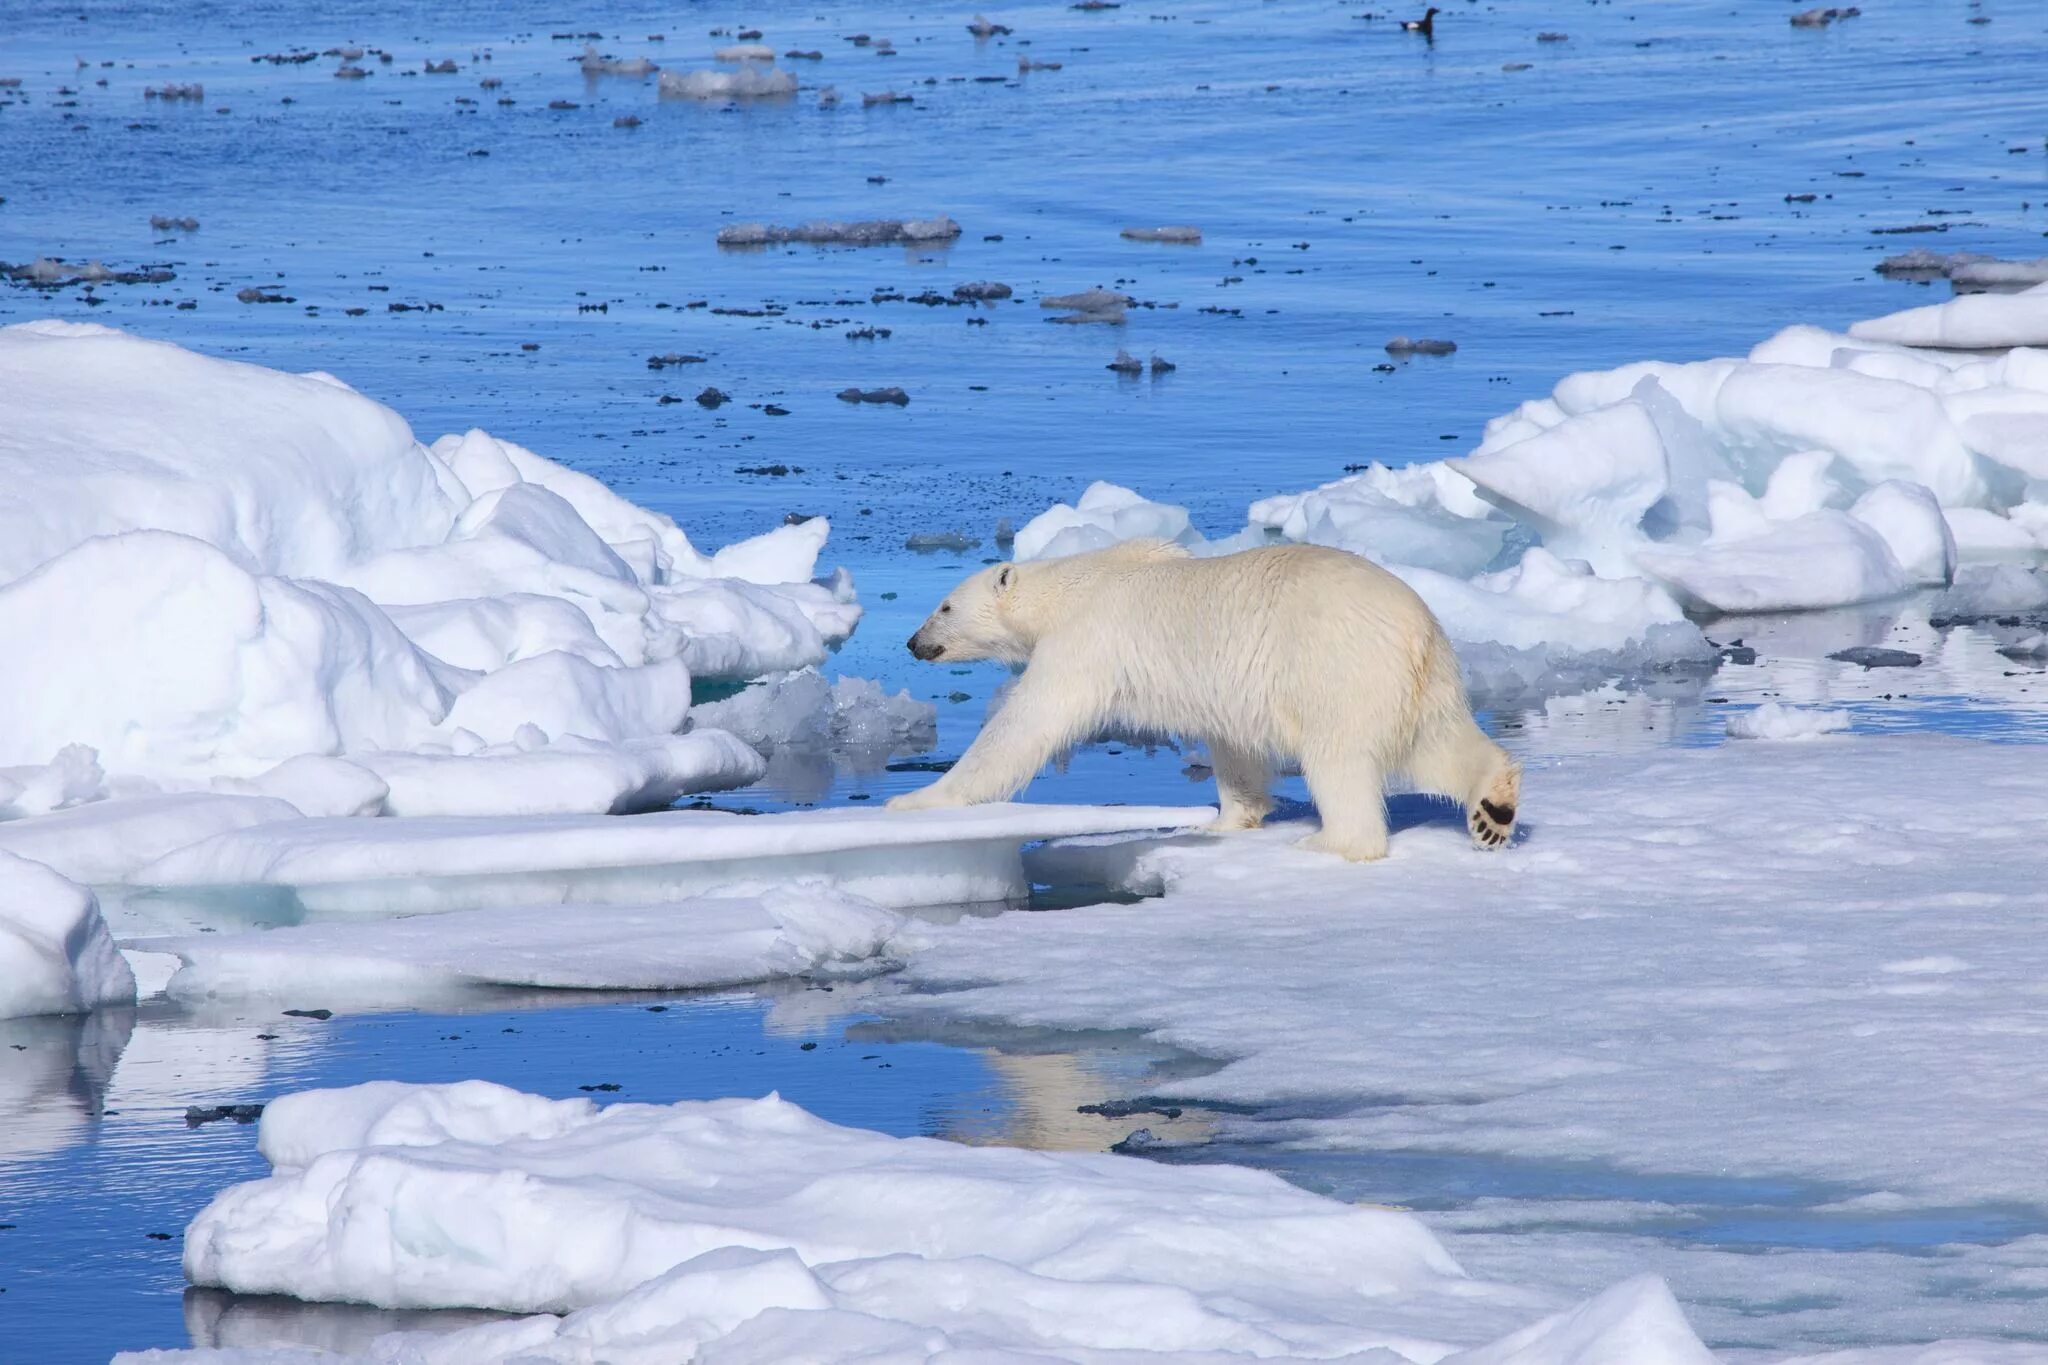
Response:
column 1004, row 578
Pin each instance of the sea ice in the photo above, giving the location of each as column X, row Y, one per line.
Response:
column 1971, row 322
column 749, row 1230
column 802, row 710
column 687, row 944
column 56, row 956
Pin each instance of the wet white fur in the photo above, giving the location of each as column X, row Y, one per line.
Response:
column 1289, row 651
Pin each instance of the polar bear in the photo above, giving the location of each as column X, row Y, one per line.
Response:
column 1288, row 651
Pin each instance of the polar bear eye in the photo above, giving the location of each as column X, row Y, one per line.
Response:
column 946, row 607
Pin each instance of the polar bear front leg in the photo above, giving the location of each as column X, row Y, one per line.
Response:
column 1244, row 782
column 1044, row 715
column 1350, row 793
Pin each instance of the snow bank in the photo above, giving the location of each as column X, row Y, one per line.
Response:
column 221, row 568
column 687, row 944
column 749, row 1230
column 106, row 841
column 381, row 867
column 56, row 956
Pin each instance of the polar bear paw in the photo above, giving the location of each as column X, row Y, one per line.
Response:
column 1492, row 817
column 924, row 798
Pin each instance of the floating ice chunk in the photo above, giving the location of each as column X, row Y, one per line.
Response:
column 1403, row 345
column 868, row 232
column 1585, row 485
column 750, row 82
column 1991, row 590
column 289, row 474
column 745, row 52
column 1088, row 301
column 1912, row 524
column 1990, row 274
column 1185, row 236
column 1637, row 1322
column 595, row 63
column 472, row 1194
column 105, row 841
column 405, row 866
column 687, row 944
column 801, row 710
column 787, row 554
column 2004, row 423
column 982, row 28
column 56, row 956
column 1774, row 720
column 569, row 776
column 981, row 291
column 935, row 542
column 72, row 778
column 1105, row 514
column 1971, row 322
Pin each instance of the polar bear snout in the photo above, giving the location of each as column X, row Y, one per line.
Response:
column 924, row 649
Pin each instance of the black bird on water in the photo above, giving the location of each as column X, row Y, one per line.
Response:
column 1426, row 25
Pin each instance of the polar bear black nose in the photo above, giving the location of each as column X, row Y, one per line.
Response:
column 923, row 650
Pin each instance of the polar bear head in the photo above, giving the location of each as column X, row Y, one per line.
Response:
column 974, row 622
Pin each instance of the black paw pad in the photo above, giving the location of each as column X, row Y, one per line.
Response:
column 1500, row 815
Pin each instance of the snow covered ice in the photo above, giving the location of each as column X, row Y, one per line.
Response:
column 748, row 1230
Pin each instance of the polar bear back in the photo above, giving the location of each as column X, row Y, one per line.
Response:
column 1269, row 647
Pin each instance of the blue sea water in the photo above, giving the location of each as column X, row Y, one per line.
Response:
column 1628, row 192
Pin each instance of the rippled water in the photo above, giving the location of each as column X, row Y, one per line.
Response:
column 1624, row 196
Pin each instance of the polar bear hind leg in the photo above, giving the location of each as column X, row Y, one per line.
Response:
column 1350, row 791
column 1244, row 783
column 1457, row 760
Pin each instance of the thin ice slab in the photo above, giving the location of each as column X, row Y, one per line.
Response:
column 299, row 869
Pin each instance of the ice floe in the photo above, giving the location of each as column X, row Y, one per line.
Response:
column 689, row 943
column 750, row 1230
column 1775, row 720
column 56, row 955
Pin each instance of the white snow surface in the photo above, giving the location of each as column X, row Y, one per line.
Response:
column 56, row 956
column 221, row 568
column 1705, row 936
column 748, row 1230
column 1967, row 322
column 696, row 942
